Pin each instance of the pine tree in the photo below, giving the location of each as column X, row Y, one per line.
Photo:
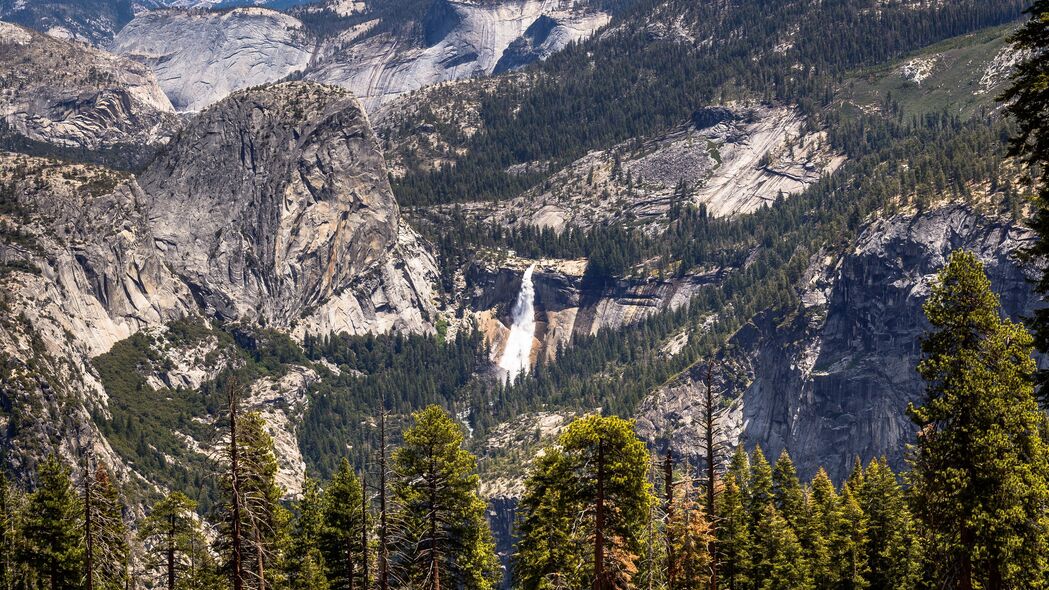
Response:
column 341, row 541
column 980, row 477
column 783, row 564
column 1027, row 100
column 733, row 531
column 175, row 544
column 545, row 556
column 759, row 486
column 786, row 489
column 54, row 549
column 890, row 532
column 822, row 522
column 690, row 532
column 585, row 507
column 265, row 519
column 849, row 540
column 254, row 524
column 305, row 567
column 761, row 499
column 442, row 537
column 110, row 537
column 11, row 508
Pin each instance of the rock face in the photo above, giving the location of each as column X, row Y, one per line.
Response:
column 80, row 272
column 566, row 304
column 831, row 380
column 271, row 208
column 460, row 39
column 733, row 160
column 72, row 95
column 201, row 57
column 273, row 204
column 91, row 21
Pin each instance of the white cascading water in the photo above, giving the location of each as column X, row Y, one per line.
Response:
column 517, row 356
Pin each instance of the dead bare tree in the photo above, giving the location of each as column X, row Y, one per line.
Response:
column 712, row 435
column 236, row 572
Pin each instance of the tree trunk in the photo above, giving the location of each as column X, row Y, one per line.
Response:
column 89, row 538
column 435, row 568
column 668, row 507
column 384, row 562
column 711, row 425
column 364, row 530
column 600, row 583
column 965, row 569
column 260, row 558
column 171, row 553
column 238, row 575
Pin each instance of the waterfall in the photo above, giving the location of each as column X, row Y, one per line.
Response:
column 517, row 356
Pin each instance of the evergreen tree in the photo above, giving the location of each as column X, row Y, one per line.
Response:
column 585, row 507
column 786, row 489
column 175, row 544
column 783, row 566
column 254, row 514
column 54, row 549
column 761, row 499
column 759, row 487
column 441, row 535
column 1027, row 100
column 822, row 522
column 547, row 554
column 733, row 532
column 851, row 568
column 11, row 507
column 110, row 538
column 690, row 532
column 265, row 519
column 305, row 568
column 980, row 477
column 341, row 541
column 891, row 540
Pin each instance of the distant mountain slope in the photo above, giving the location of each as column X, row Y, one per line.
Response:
column 661, row 61
column 459, row 39
column 72, row 95
column 376, row 51
column 91, row 21
column 201, row 57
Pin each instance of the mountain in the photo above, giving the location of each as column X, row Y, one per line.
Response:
column 377, row 52
column 92, row 256
column 90, row 21
column 273, row 205
column 339, row 206
column 200, row 57
column 70, row 95
column 453, row 40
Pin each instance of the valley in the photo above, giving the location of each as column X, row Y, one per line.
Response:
column 528, row 213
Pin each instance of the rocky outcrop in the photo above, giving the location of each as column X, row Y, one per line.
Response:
column 733, row 161
column 830, row 380
column 72, row 95
column 274, row 206
column 567, row 305
column 89, row 21
column 397, row 293
column 460, row 39
column 79, row 272
column 201, row 57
